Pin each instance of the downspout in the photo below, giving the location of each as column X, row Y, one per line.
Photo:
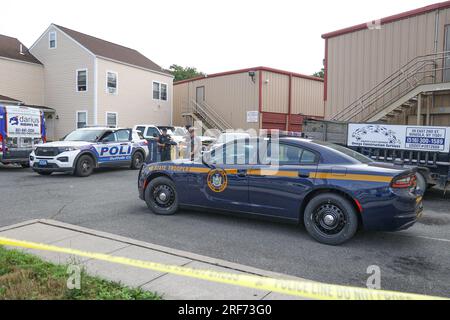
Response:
column 260, row 102
column 325, row 85
column 288, row 118
column 436, row 43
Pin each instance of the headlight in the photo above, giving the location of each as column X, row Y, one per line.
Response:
column 66, row 149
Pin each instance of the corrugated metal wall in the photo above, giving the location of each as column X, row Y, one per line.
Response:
column 275, row 88
column 307, row 97
column 180, row 103
column 233, row 95
column 360, row 60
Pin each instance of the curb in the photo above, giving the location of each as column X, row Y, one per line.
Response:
column 142, row 244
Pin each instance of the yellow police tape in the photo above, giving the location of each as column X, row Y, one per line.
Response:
column 304, row 289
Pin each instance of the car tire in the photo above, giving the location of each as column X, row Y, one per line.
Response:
column 84, row 166
column 137, row 160
column 44, row 173
column 161, row 196
column 330, row 219
column 421, row 182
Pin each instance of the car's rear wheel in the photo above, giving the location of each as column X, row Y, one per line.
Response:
column 137, row 161
column 161, row 196
column 44, row 173
column 84, row 166
column 330, row 219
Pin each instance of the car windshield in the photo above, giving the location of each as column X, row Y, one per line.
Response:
column 348, row 152
column 84, row 135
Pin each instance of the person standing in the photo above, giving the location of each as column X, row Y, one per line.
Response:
column 164, row 144
column 194, row 145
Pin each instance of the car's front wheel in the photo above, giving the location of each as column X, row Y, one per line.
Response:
column 84, row 166
column 161, row 196
column 137, row 161
column 330, row 219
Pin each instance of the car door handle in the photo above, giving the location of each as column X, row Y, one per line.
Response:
column 303, row 175
column 242, row 173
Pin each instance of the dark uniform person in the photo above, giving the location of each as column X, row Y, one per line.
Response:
column 164, row 144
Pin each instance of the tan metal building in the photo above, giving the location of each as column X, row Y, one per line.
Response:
column 391, row 70
column 254, row 98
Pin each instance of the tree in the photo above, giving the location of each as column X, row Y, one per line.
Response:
column 320, row 74
column 183, row 73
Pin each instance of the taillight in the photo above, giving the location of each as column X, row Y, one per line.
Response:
column 404, row 182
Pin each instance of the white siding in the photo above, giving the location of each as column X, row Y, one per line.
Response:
column 61, row 64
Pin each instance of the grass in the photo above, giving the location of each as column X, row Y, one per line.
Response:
column 27, row 277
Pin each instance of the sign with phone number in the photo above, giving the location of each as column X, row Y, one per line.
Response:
column 419, row 138
column 424, row 138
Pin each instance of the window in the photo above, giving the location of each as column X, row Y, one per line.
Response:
column 308, row 157
column 111, row 119
column 111, row 82
column 123, row 135
column 163, row 91
column 81, row 80
column 85, row 135
column 159, row 91
column 289, row 155
column 156, row 90
column 52, row 40
column 141, row 129
column 81, row 119
column 109, row 137
column 152, row 132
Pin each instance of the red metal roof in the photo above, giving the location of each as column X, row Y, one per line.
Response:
column 220, row 74
column 400, row 16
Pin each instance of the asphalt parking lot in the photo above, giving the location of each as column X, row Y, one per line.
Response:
column 416, row 260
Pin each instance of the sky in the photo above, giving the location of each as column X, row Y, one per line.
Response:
column 210, row 35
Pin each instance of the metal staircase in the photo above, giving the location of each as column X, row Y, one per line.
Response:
column 399, row 92
column 207, row 115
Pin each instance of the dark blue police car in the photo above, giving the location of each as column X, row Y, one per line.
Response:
column 331, row 189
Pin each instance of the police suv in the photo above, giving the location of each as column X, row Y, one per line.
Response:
column 83, row 150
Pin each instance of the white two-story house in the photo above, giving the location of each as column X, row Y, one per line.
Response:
column 89, row 81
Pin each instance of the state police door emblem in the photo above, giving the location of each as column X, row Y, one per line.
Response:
column 217, row 180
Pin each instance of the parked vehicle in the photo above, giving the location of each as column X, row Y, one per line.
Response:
column 331, row 189
column 227, row 137
column 21, row 128
column 407, row 146
column 148, row 131
column 83, row 150
column 178, row 134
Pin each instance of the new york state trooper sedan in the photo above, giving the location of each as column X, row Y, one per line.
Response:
column 83, row 150
column 332, row 190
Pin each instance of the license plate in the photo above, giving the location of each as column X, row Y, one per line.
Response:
column 43, row 163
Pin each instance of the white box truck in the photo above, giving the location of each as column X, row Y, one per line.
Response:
column 21, row 128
